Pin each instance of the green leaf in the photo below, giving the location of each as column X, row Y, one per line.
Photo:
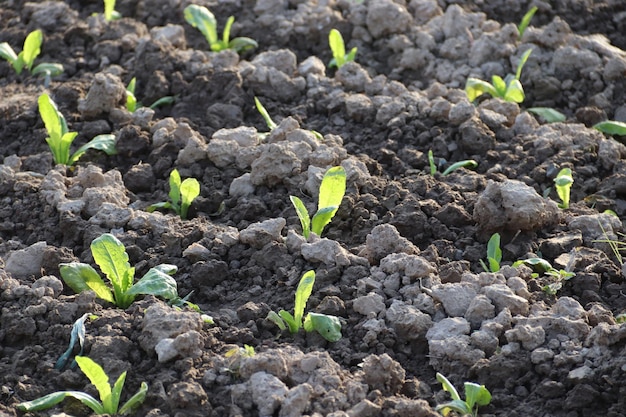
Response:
column 163, row 205
column 290, row 320
column 131, row 99
column 332, row 188
column 476, row 394
column 448, row 387
column 548, row 114
column 303, row 292
column 337, row 46
column 563, row 184
column 457, row 406
column 474, row 88
column 49, row 69
column 6, row 52
column 351, row 55
column 98, row 378
column 104, row 143
column 611, row 127
column 53, row 399
column 468, row 163
column 303, row 215
column 499, row 84
column 134, row 401
column 82, row 277
column 242, row 44
column 112, row 405
column 521, row 28
column 431, row 163
column 321, row 219
column 77, row 334
column 521, row 64
column 32, row 48
column 51, row 117
column 226, row 32
column 109, row 9
column 494, row 253
column 202, row 19
column 329, row 327
column 163, row 101
column 174, row 193
column 266, row 116
column 536, row 263
column 277, row 320
column 158, row 282
column 514, row 92
column 189, row 190
column 110, row 255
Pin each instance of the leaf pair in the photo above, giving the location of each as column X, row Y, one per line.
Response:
column 467, row 163
column 109, row 396
column 110, row 255
column 181, row 195
column 60, row 138
column 475, row 396
column 332, row 190
column 26, row 58
column 329, row 327
column 131, row 100
column 202, row 19
column 508, row 89
column 338, row 48
column 494, row 254
column 563, row 184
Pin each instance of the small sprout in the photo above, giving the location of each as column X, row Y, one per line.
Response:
column 26, row 58
column 236, row 355
column 131, row 100
column 109, row 11
column 548, row 114
column 475, row 396
column 494, row 254
column 60, row 138
column 329, row 327
column 542, row 267
column 77, row 335
column 508, row 89
column 521, row 28
column 110, row 255
column 109, row 396
column 563, row 183
column 611, row 127
column 331, row 193
column 181, row 195
column 271, row 125
column 202, row 19
column 467, row 163
column 338, row 48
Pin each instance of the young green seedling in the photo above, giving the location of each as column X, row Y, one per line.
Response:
column 563, row 183
column 475, row 396
column 109, row 11
column 60, row 138
column 77, row 335
column 110, row 255
column 331, row 193
column 329, row 327
column 548, row 114
column 181, row 195
column 109, row 396
column 494, row 254
column 26, row 58
column 509, row 89
column 543, row 267
column 131, row 100
column 467, row 163
column 271, row 125
column 611, row 127
column 202, row 19
column 521, row 28
column 338, row 48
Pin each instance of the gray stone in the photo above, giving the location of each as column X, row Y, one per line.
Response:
column 106, row 93
column 26, row 262
column 370, row 304
column 485, row 341
column 353, row 76
column 268, row 392
column 162, row 322
column 185, row 345
column 541, row 355
column 411, row 266
column 385, row 239
column 408, row 321
column 272, row 362
column 222, row 152
column 172, row 34
column 448, row 328
column 275, row 163
column 383, row 373
column 364, row 408
column 456, row 298
column 296, row 401
column 243, row 135
column 312, row 65
column 327, row 251
column 384, row 17
column 530, row 337
column 503, row 297
column 570, row 308
column 241, row 186
column 260, row 234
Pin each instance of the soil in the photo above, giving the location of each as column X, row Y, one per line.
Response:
column 400, row 261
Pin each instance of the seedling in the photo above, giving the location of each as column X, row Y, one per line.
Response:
column 26, row 58
column 60, row 138
column 181, row 195
column 611, row 127
column 548, row 114
column 331, row 193
column 329, row 327
column 109, row 11
column 494, row 254
column 543, row 267
column 563, row 183
column 109, row 396
column 110, row 255
column 202, row 19
column 236, row 355
column 475, row 396
column 77, row 335
column 521, row 28
column 271, row 125
column 338, row 48
column 509, row 89
column 467, row 163
column 131, row 100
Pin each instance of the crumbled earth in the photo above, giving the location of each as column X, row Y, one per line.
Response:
column 400, row 261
